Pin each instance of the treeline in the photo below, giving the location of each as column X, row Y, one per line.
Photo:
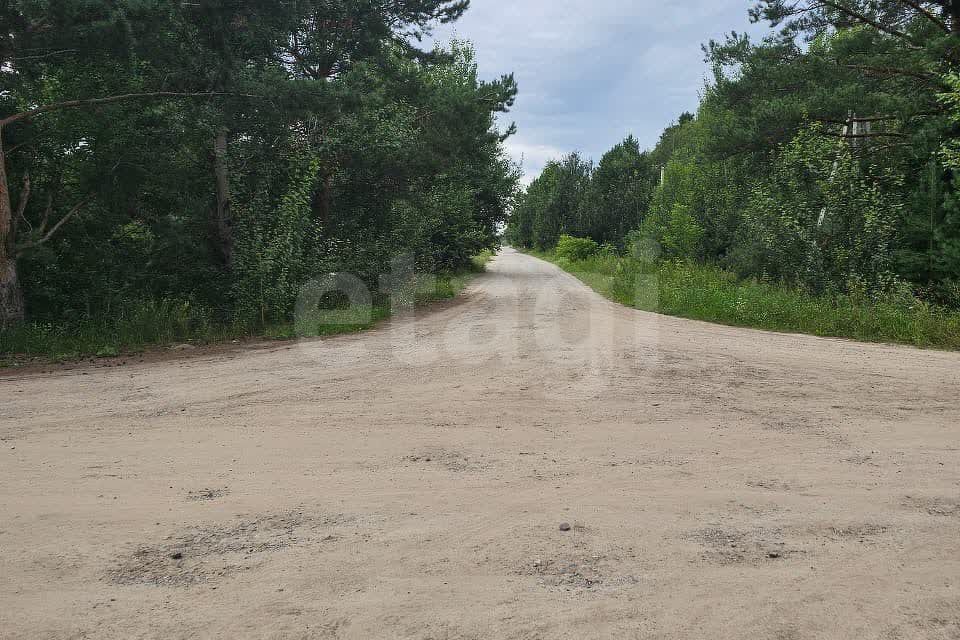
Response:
column 216, row 155
column 823, row 156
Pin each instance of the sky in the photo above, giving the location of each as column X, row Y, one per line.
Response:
column 592, row 72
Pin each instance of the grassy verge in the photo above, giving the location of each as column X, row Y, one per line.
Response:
column 327, row 322
column 481, row 260
column 714, row 295
column 164, row 323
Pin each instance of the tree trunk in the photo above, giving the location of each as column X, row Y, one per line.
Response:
column 323, row 199
column 12, row 310
column 11, row 297
column 222, row 222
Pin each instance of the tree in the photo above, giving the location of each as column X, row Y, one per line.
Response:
column 895, row 18
column 52, row 61
column 822, row 220
column 255, row 72
column 412, row 163
column 618, row 194
column 551, row 206
column 822, row 155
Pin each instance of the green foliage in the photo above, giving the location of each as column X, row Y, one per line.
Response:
column 134, row 328
column 127, row 328
column 674, row 232
column 572, row 248
column 480, row 261
column 276, row 254
column 573, row 197
column 950, row 151
column 618, row 194
column 822, row 157
column 346, row 146
column 440, row 228
column 552, row 204
column 712, row 294
column 823, row 220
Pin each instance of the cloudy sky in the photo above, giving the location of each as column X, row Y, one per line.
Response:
column 592, row 71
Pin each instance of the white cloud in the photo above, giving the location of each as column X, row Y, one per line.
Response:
column 592, row 71
column 532, row 157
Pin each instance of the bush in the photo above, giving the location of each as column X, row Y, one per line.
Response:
column 131, row 325
column 823, row 220
column 675, row 234
column 576, row 248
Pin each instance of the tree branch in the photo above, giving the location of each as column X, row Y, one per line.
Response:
column 41, row 56
column 24, row 198
column 920, row 75
column 16, row 148
column 43, row 239
column 879, row 118
column 305, row 67
column 856, row 15
column 74, row 104
column 46, row 213
column 919, row 8
column 849, row 136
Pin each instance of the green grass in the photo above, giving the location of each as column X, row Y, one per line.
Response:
column 129, row 329
column 164, row 323
column 711, row 294
column 481, row 260
column 327, row 322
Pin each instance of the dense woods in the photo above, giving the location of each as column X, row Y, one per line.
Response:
column 823, row 157
column 196, row 164
column 208, row 158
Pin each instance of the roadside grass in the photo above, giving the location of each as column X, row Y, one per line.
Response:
column 145, row 325
column 481, row 260
column 354, row 319
column 703, row 292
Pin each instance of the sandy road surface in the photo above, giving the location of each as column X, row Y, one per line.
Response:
column 410, row 483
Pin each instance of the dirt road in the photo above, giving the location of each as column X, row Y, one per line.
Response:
column 411, row 482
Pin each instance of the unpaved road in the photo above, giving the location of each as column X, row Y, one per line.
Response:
column 411, row 482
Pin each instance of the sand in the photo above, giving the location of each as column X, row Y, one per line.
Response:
column 411, row 482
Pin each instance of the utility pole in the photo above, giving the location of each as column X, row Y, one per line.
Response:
column 852, row 127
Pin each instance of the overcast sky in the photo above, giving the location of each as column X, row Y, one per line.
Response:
column 592, row 71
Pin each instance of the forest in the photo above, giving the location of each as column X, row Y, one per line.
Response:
column 174, row 171
column 822, row 159
column 172, row 167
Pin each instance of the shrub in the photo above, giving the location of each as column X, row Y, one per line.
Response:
column 576, row 248
column 823, row 219
column 675, row 234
